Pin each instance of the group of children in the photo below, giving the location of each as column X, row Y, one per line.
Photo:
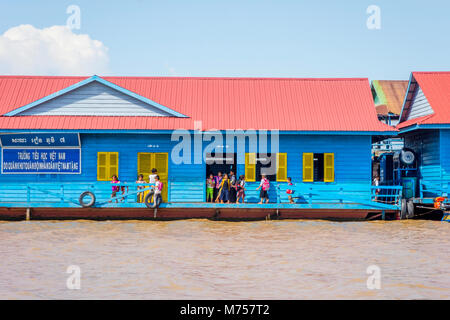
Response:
column 152, row 178
column 225, row 188
column 220, row 188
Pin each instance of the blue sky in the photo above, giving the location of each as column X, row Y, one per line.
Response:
column 252, row 38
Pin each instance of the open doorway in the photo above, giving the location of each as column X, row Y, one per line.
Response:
column 223, row 163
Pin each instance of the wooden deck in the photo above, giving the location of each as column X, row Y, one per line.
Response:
column 56, row 201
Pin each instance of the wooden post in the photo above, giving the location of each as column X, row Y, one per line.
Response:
column 28, row 214
column 154, row 212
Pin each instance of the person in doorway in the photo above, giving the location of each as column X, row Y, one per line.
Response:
column 289, row 191
column 217, row 182
column 376, row 183
column 241, row 189
column 210, row 186
column 115, row 189
column 140, row 195
column 158, row 187
column 224, row 190
column 152, row 176
column 264, row 186
column 233, row 187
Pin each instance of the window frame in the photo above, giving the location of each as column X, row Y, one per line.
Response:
column 328, row 163
column 107, row 166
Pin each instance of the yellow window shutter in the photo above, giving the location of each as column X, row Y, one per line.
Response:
column 281, row 166
column 161, row 163
column 144, row 164
column 250, row 166
column 113, row 164
column 101, row 166
column 328, row 160
column 308, row 167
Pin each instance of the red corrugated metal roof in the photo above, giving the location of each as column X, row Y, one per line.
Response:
column 436, row 88
column 287, row 104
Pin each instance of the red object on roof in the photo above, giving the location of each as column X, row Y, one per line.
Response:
column 436, row 88
column 287, row 104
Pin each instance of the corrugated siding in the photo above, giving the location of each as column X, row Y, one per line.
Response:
column 419, row 106
column 128, row 147
column 352, row 161
column 94, row 99
column 187, row 181
column 445, row 157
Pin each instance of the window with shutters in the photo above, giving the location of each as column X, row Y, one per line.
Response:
column 257, row 164
column 318, row 167
column 107, row 165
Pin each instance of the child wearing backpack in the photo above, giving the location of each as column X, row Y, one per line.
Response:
column 264, row 186
column 157, row 198
column 241, row 189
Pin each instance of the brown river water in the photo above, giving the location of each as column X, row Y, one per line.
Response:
column 201, row 259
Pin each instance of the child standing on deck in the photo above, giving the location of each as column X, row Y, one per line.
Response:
column 157, row 197
column 217, row 182
column 152, row 176
column 233, row 187
column 140, row 195
column 264, row 186
column 115, row 189
column 289, row 191
column 241, row 189
column 210, row 185
column 224, row 191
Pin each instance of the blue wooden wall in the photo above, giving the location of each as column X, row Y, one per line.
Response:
column 352, row 161
column 445, row 157
column 427, row 145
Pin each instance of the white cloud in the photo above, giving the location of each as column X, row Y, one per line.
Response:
column 26, row 50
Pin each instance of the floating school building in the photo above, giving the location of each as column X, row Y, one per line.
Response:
column 61, row 136
column 425, row 128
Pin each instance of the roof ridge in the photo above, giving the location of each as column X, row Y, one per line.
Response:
column 187, row 78
column 392, row 80
column 41, row 77
column 431, row 72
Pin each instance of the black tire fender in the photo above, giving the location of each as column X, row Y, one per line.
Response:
column 407, row 157
column 148, row 200
column 84, row 195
